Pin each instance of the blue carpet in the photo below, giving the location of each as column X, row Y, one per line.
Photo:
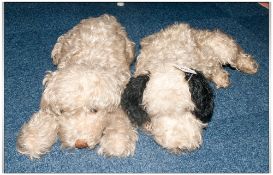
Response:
column 237, row 139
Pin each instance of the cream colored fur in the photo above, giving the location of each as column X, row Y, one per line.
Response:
column 81, row 100
column 202, row 50
column 166, row 98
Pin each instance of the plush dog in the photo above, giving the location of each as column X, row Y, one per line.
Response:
column 81, row 99
column 169, row 95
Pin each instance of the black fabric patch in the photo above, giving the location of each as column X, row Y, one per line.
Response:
column 131, row 100
column 201, row 95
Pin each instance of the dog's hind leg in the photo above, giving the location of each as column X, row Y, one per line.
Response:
column 227, row 51
column 245, row 63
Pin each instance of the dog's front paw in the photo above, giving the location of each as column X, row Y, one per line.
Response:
column 118, row 144
column 178, row 133
column 30, row 147
column 37, row 135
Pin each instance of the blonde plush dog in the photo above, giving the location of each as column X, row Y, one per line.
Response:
column 169, row 94
column 81, row 99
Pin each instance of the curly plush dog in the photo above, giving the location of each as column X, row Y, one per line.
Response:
column 81, row 99
column 169, row 94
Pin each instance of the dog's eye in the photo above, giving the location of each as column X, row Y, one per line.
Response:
column 61, row 111
column 93, row 110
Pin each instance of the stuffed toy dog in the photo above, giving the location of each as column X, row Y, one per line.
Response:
column 81, row 99
column 169, row 95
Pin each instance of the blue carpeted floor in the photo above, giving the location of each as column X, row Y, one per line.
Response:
column 237, row 139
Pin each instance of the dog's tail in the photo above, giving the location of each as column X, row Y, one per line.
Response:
column 202, row 96
column 131, row 99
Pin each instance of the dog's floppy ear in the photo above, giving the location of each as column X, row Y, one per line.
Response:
column 131, row 99
column 202, row 96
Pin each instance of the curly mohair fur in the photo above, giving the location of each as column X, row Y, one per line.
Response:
column 131, row 99
column 81, row 99
column 203, row 50
column 201, row 95
column 175, row 107
column 179, row 105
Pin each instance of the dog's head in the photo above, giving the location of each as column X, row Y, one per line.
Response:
column 81, row 88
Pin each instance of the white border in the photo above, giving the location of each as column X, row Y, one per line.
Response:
column 2, row 60
column 2, row 87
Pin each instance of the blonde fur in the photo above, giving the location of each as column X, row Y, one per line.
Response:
column 203, row 50
column 81, row 100
column 167, row 98
column 38, row 135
